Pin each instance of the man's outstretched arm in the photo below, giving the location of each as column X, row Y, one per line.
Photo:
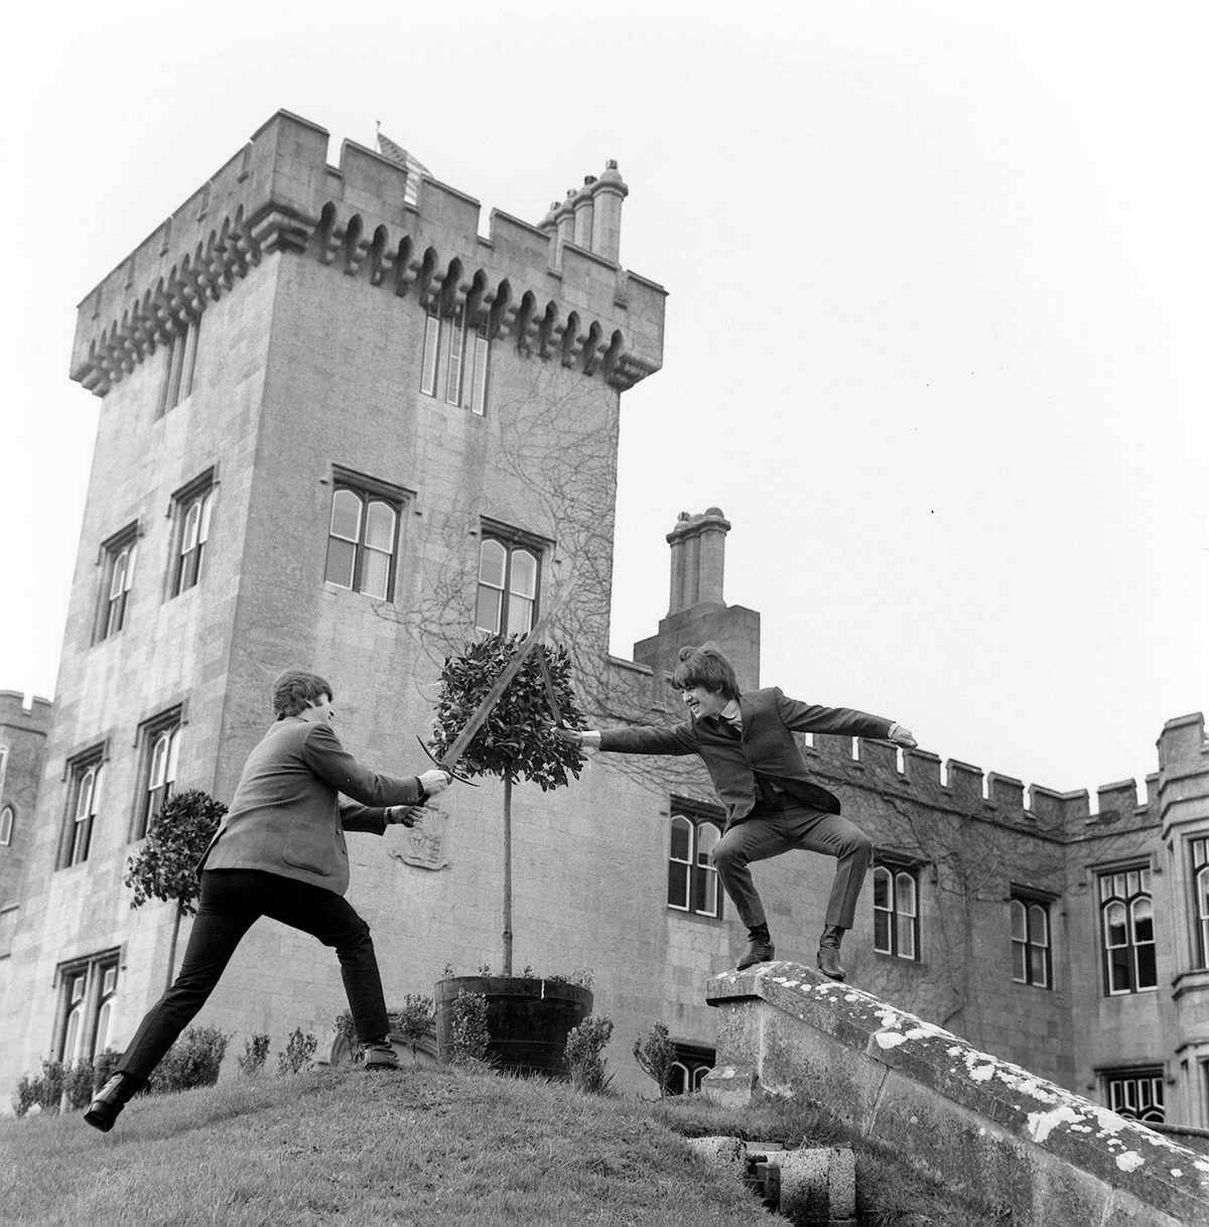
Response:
column 844, row 721
column 641, row 739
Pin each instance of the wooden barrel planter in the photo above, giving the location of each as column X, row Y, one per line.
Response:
column 528, row 1021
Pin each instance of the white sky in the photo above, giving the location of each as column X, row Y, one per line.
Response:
column 935, row 340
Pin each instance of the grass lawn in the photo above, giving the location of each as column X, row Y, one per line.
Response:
column 415, row 1146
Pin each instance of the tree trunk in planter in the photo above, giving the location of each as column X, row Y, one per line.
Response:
column 507, row 935
column 528, row 1020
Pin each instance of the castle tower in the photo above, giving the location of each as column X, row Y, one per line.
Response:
column 23, row 727
column 329, row 414
column 696, row 611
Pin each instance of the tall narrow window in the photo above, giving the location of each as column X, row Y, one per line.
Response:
column 692, row 880
column 692, row 1063
column 1136, row 1094
column 1127, row 931
column 432, row 351
column 83, row 804
column 455, row 358
column 478, row 374
column 1200, row 897
column 362, row 539
column 1031, row 959
column 508, row 583
column 192, row 506
column 87, row 991
column 896, row 910
column 161, row 749
column 180, row 358
column 7, row 820
column 117, row 556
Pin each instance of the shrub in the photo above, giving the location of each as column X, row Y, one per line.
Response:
column 468, row 1034
column 77, row 1081
column 655, row 1056
column 299, row 1049
column 415, row 1020
column 194, row 1060
column 255, row 1050
column 585, row 1044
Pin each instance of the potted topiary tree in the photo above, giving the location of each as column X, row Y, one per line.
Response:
column 528, row 1017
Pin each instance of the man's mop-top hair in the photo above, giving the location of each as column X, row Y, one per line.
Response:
column 705, row 666
column 294, row 691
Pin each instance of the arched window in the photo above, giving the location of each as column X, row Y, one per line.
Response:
column 1136, row 1094
column 507, row 591
column 896, row 910
column 119, row 575
column 692, row 880
column 163, row 748
column 1200, row 897
column 1030, row 941
column 193, row 511
column 85, row 802
column 1127, row 931
column 7, row 818
column 73, row 1024
column 362, row 539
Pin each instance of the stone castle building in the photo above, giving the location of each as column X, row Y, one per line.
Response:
column 340, row 428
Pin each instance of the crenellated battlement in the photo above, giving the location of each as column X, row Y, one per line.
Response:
column 18, row 710
column 555, row 292
column 956, row 785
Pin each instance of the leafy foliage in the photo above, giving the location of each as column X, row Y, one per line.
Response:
column 255, row 1052
column 517, row 741
column 299, row 1049
column 194, row 1060
column 585, row 1044
column 415, row 1020
column 77, row 1081
column 165, row 867
column 468, row 1033
column 656, row 1054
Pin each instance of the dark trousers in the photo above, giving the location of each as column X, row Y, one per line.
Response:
column 232, row 900
column 769, row 832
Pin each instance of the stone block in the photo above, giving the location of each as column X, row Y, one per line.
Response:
column 817, row 1185
column 730, row 1086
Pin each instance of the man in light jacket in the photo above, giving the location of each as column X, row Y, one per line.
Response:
column 280, row 852
column 746, row 742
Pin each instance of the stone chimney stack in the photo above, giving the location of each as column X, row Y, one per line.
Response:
column 608, row 192
column 697, row 614
column 582, row 205
column 698, row 559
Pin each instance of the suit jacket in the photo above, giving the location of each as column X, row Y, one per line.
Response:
column 766, row 748
column 286, row 816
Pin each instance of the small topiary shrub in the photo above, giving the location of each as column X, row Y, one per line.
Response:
column 585, row 1044
column 656, row 1054
column 468, row 1034
column 194, row 1060
column 299, row 1049
column 415, row 1020
column 255, row 1050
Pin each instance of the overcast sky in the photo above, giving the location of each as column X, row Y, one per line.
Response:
column 935, row 335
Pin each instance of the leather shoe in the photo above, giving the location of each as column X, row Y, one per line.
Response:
column 828, row 958
column 381, row 1054
column 757, row 952
column 109, row 1101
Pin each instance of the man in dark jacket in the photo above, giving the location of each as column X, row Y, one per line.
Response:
column 280, row 852
column 747, row 745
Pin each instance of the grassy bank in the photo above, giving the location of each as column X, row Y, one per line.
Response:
column 426, row 1146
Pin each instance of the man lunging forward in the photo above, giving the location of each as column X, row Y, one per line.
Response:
column 746, row 742
column 280, row 852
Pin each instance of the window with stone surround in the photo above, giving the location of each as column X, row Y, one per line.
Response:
column 1032, row 960
column 896, row 908
column 117, row 576
column 159, row 740
column 692, row 880
column 85, row 775
column 692, row 1063
column 1136, row 1094
column 180, row 358
column 87, row 988
column 454, row 365
column 509, row 581
column 1199, row 849
column 8, row 819
column 191, row 507
column 363, row 535
column 1127, row 931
